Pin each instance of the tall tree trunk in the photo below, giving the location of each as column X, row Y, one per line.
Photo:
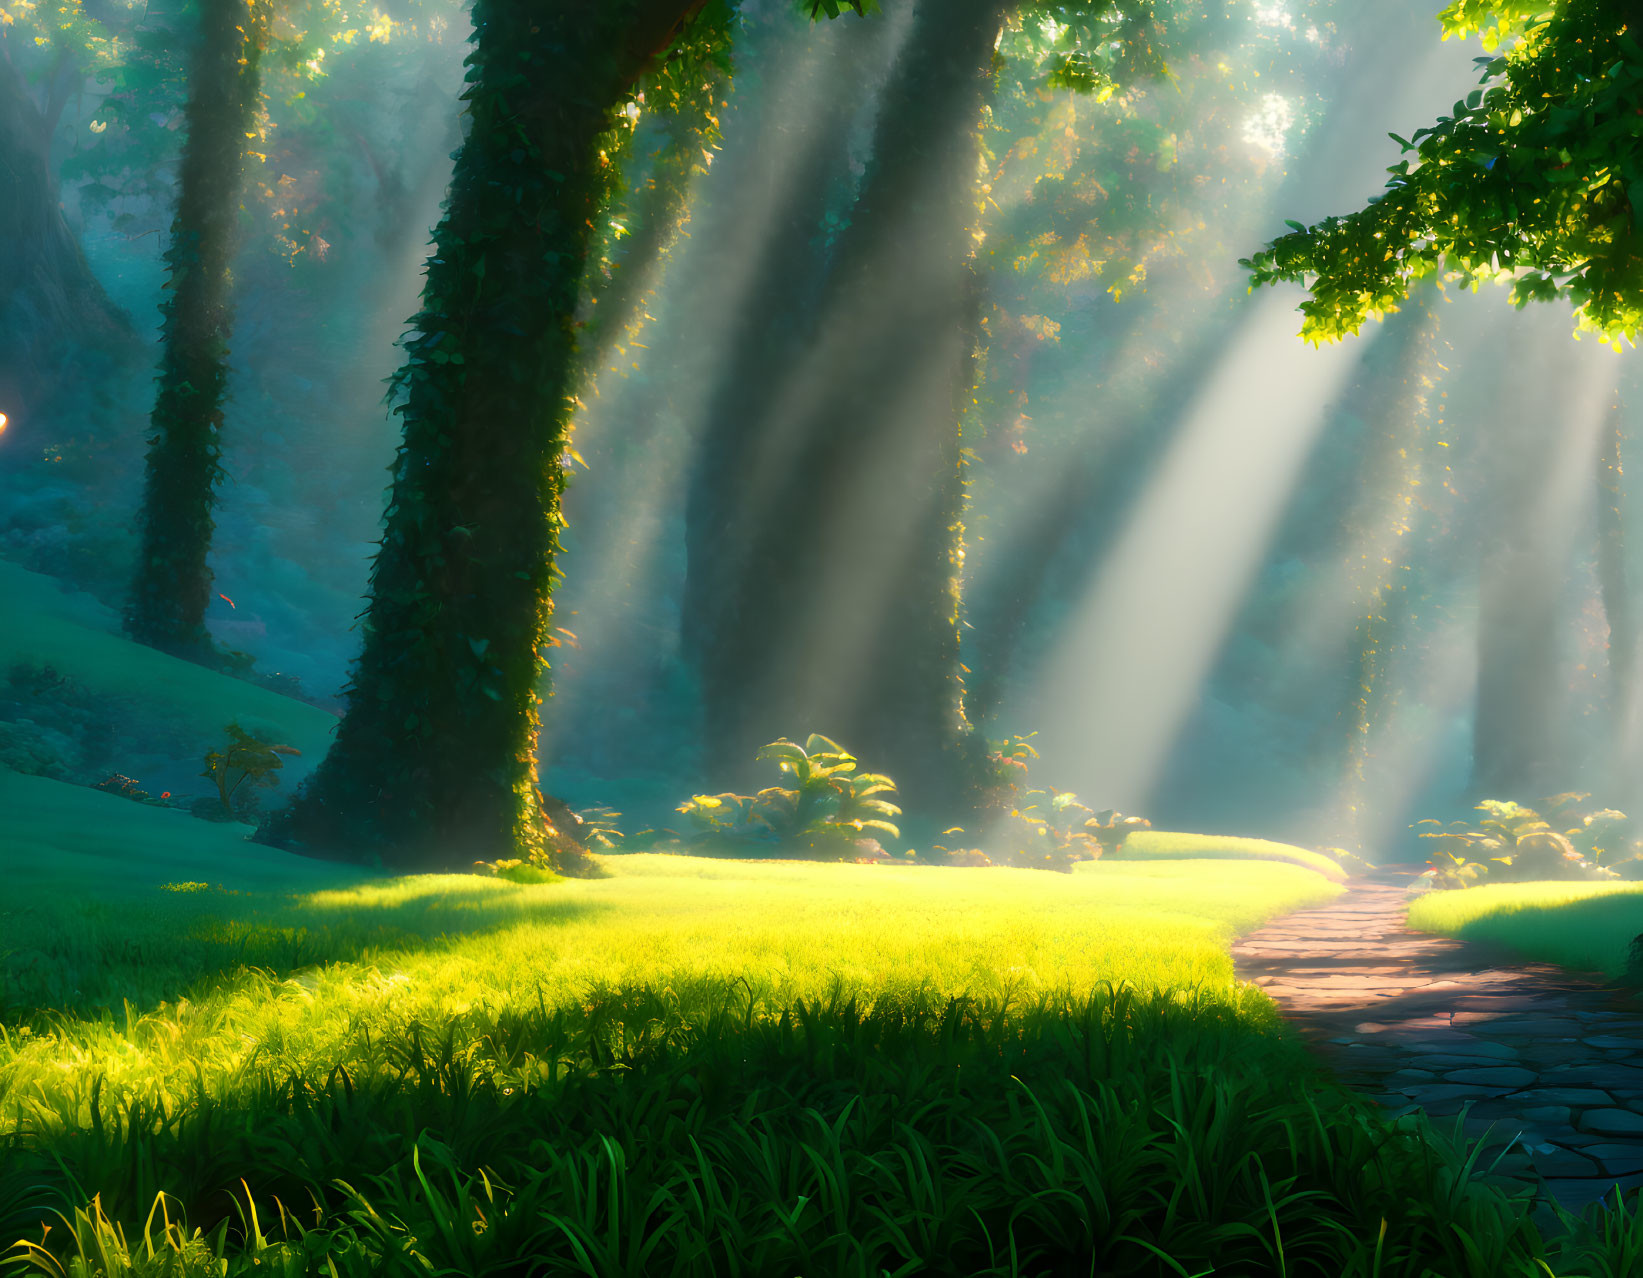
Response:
column 844, row 617
column 1400, row 373
column 435, row 760
column 1521, row 574
column 1613, row 585
column 765, row 348
column 53, row 312
column 173, row 583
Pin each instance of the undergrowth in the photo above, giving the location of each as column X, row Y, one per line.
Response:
column 658, row 1133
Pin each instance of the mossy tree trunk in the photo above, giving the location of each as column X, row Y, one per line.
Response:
column 435, row 760
column 844, row 617
column 172, row 586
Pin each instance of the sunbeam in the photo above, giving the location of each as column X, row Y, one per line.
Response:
column 1133, row 657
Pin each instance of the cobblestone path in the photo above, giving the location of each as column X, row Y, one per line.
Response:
column 1546, row 1057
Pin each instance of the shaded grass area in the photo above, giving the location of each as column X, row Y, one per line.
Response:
column 60, row 836
column 1585, row 926
column 1165, row 845
column 159, row 703
column 709, row 1068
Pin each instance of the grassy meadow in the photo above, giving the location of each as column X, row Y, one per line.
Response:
column 1585, row 926
column 690, row 1066
column 1165, row 845
column 220, row 1059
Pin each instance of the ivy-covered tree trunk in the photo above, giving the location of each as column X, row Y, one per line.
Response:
column 435, row 760
column 844, row 615
column 173, row 582
column 52, row 309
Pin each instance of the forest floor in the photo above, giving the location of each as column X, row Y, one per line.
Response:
column 1547, row 1062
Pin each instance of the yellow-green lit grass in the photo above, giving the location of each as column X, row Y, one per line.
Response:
column 1161, row 845
column 158, row 694
column 340, row 969
column 1584, row 926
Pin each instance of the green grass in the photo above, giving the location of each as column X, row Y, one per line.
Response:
column 1160, row 845
column 1585, row 926
column 696, row 1067
column 161, row 700
column 104, row 846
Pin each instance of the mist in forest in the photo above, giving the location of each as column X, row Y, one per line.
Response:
column 906, row 376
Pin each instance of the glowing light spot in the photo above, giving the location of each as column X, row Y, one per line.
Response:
column 1269, row 126
column 4, row 422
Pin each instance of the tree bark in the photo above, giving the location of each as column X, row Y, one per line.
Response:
column 173, row 582
column 435, row 760
column 53, row 312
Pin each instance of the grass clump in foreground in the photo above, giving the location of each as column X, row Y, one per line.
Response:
column 1585, row 926
column 707, row 1068
column 1166, row 845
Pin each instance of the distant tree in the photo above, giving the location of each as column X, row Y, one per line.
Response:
column 826, row 527
column 749, row 682
column 1536, row 177
column 173, row 582
column 52, row 308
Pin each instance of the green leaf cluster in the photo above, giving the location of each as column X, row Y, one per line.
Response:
column 827, row 810
column 1535, row 178
column 1514, row 842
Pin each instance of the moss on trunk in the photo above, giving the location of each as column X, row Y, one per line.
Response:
column 435, row 761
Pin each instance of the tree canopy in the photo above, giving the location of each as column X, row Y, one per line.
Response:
column 1536, row 177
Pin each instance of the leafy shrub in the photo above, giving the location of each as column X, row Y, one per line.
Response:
column 598, row 828
column 126, row 788
column 1048, row 830
column 247, row 758
column 515, row 871
column 1513, row 843
column 825, row 814
column 1044, row 829
column 53, row 726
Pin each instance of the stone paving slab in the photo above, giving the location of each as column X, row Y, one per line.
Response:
column 1550, row 1058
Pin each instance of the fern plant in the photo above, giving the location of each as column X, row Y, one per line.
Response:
column 827, row 809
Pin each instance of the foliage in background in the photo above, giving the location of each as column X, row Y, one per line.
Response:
column 829, row 812
column 1514, row 843
column 1535, row 178
column 247, row 757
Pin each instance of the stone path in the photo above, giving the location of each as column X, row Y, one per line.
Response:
column 1548, row 1059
